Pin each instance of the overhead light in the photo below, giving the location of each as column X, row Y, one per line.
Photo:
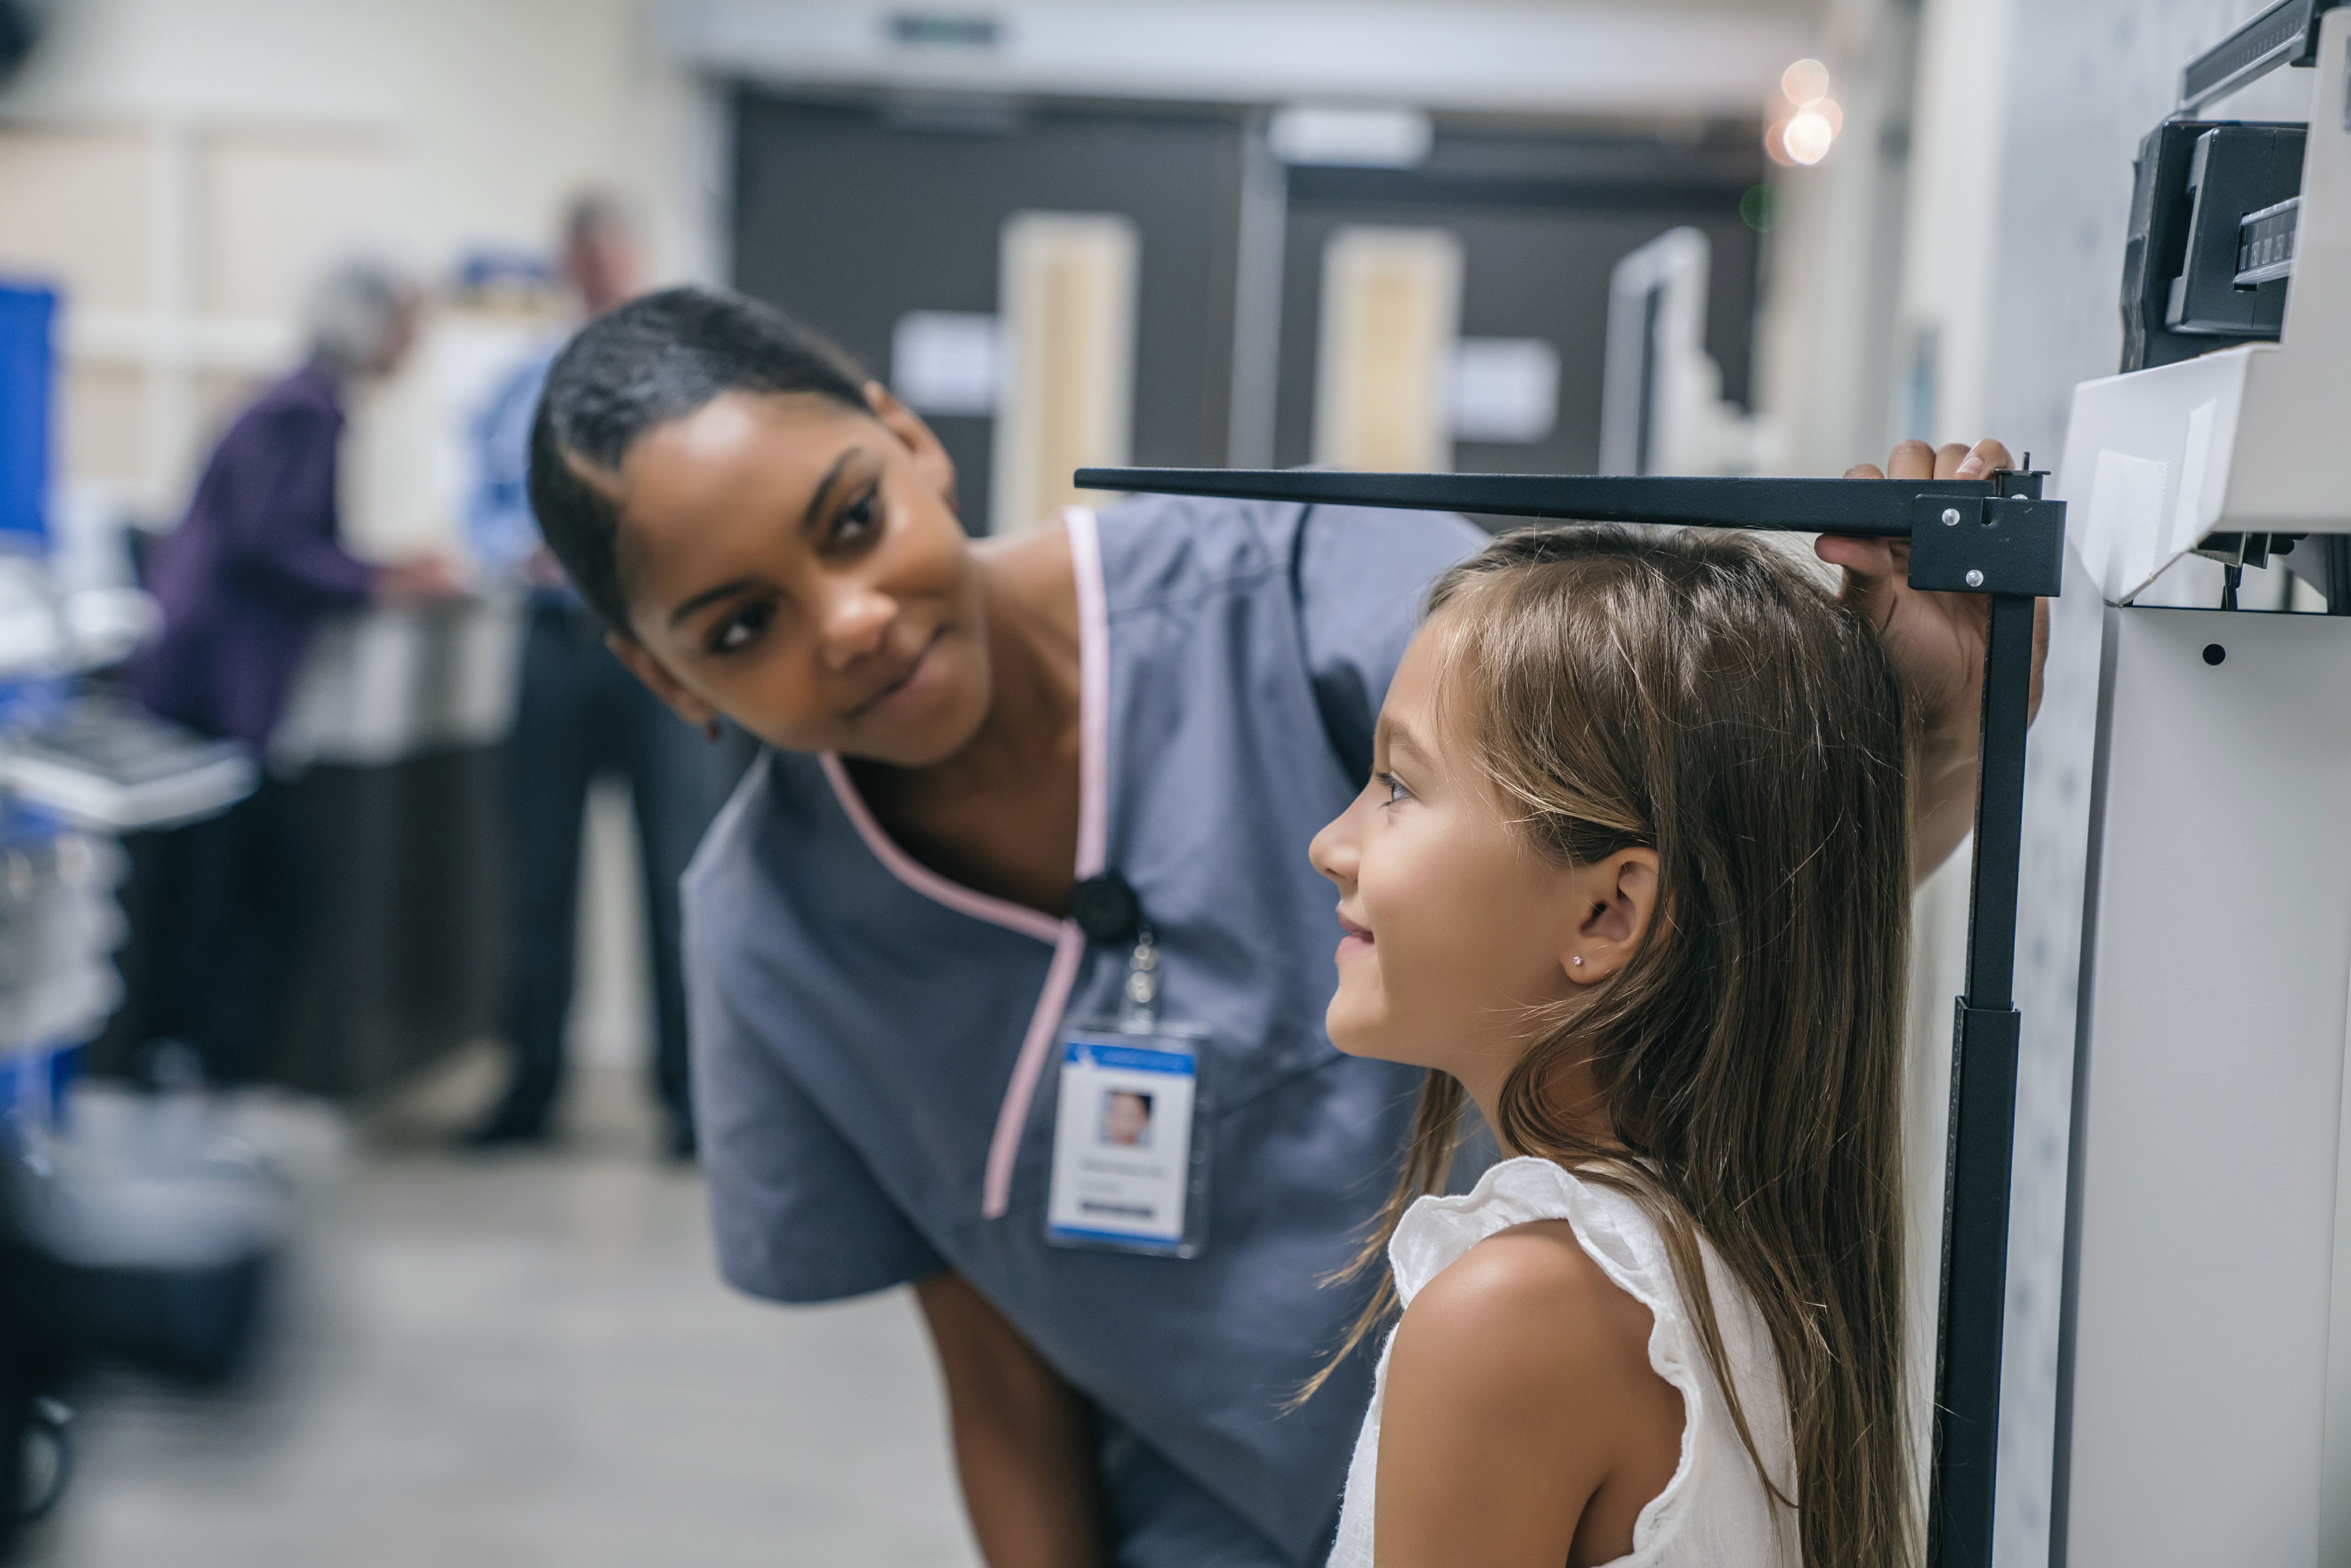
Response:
column 1804, row 81
column 1806, row 123
column 1351, row 138
column 1808, row 136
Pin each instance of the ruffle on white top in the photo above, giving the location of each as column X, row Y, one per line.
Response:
column 1715, row 1510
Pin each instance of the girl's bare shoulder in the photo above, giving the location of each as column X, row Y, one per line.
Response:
column 1528, row 1308
column 1518, row 1401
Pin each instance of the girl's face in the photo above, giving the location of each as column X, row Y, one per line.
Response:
column 1457, row 930
column 798, row 567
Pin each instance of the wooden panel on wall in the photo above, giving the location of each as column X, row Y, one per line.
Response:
column 102, row 422
column 278, row 207
column 1066, row 288
column 76, row 211
column 1391, row 313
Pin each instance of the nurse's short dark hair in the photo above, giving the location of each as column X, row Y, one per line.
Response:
column 652, row 360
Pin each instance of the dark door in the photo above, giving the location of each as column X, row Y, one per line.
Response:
column 850, row 214
column 1541, row 216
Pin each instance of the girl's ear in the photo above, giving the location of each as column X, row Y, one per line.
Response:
column 659, row 681
column 931, row 459
column 1618, row 897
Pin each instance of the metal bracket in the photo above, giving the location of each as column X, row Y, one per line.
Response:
column 1988, row 544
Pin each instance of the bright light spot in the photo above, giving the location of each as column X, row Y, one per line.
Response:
column 1804, row 81
column 1833, row 111
column 1775, row 142
column 1808, row 135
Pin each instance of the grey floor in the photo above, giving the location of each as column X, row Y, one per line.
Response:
column 518, row 1360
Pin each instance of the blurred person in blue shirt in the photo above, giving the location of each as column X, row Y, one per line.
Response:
column 579, row 715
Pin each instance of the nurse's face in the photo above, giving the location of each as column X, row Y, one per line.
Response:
column 798, row 567
column 1457, row 930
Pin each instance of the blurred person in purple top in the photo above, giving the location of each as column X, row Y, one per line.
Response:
column 244, row 581
column 260, row 558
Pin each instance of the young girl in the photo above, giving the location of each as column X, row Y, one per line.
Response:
column 1632, row 875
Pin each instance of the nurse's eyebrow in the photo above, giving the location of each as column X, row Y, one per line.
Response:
column 824, row 488
column 708, row 596
column 735, row 585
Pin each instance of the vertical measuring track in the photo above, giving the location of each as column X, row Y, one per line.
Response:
column 1986, row 1035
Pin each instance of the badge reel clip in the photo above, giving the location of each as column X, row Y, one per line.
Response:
column 1130, row 1154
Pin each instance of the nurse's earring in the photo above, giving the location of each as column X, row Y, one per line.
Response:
column 1577, row 960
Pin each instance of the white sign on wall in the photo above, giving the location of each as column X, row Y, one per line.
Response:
column 1504, row 389
column 946, row 363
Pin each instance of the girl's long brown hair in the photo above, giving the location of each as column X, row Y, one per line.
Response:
column 1701, row 695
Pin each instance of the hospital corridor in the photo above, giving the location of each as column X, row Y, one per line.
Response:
column 645, row 1418
column 1174, row 783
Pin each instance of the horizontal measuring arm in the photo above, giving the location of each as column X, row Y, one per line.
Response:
column 1967, row 536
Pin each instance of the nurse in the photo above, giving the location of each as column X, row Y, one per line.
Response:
column 1017, row 794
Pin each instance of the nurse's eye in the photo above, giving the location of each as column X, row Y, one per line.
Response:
column 1396, row 790
column 740, row 630
column 856, row 523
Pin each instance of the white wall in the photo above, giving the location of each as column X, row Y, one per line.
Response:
column 242, row 144
column 1833, row 267
column 1958, row 131
column 496, row 108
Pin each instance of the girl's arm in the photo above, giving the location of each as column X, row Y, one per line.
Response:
column 1023, row 1438
column 1523, row 1426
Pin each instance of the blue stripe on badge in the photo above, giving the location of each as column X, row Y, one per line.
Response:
column 1141, row 1241
column 1134, row 1059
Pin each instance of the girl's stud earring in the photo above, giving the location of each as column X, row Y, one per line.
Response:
column 1577, row 960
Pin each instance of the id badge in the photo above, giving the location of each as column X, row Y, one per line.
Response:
column 1130, row 1170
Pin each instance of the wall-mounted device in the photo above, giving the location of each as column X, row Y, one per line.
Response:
column 2230, row 364
column 2204, row 1363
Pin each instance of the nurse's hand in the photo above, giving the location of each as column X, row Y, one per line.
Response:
column 1936, row 642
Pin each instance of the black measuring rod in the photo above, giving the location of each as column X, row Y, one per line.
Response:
column 1995, row 536
column 1998, row 528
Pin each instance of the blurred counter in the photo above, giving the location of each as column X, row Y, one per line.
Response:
column 384, row 686
column 389, row 756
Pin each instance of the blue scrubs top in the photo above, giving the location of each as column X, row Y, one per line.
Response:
column 873, row 1055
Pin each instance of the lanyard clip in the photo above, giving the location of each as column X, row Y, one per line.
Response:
column 1138, row 1008
column 1106, row 909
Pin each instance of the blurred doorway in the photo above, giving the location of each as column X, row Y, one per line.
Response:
column 1540, row 216
column 857, row 213
column 852, row 215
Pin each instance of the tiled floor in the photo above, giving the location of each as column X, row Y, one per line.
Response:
column 521, row 1361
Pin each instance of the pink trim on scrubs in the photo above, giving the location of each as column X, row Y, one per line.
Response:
column 1069, row 943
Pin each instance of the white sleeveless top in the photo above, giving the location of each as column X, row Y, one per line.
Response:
column 1715, row 1510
